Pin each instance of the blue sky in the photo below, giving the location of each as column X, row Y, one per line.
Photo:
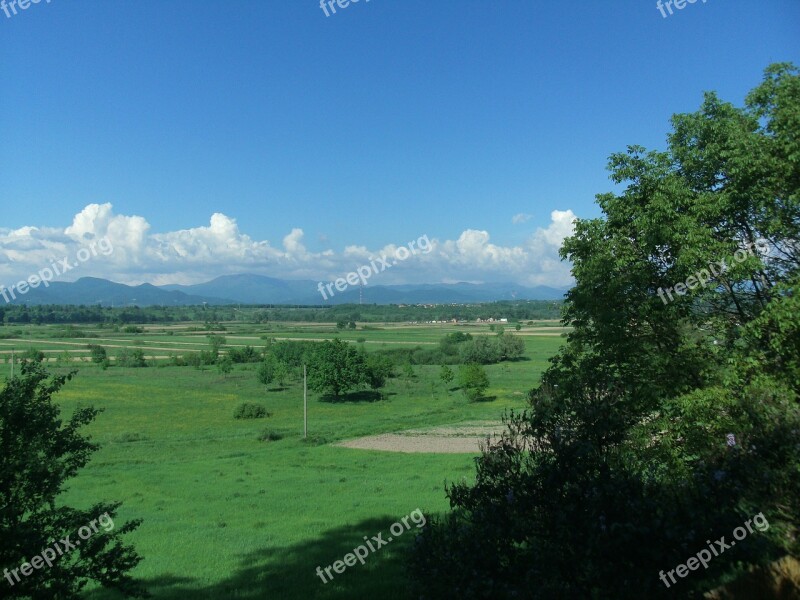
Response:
column 318, row 141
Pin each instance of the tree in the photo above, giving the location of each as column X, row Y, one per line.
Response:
column 408, row 371
column 336, row 367
column 509, row 346
column 40, row 453
column 131, row 358
column 379, row 369
column 446, row 375
column 473, row 381
column 225, row 365
column 216, row 342
column 481, row 349
column 651, row 420
column 517, row 326
column 99, row 355
column 267, row 370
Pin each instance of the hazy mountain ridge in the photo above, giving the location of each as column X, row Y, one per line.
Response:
column 259, row 289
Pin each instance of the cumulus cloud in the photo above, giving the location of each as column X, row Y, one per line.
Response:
column 521, row 218
column 201, row 253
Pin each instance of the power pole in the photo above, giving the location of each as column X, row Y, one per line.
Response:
column 305, row 405
column 12, row 363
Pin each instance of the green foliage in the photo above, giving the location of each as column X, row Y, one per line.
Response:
column 225, row 365
column 446, row 375
column 379, row 368
column 32, row 354
column 292, row 354
column 509, row 347
column 131, row 357
column 211, row 356
column 336, row 367
column 117, row 318
column 408, row 371
column 98, row 354
column 250, row 410
column 247, row 354
column 661, row 423
column 41, row 452
column 268, row 435
column 271, row 369
column 460, row 348
column 481, row 350
column 473, row 381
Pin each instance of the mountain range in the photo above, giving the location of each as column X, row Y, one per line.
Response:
column 259, row 289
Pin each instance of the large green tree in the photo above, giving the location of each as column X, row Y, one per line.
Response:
column 336, row 367
column 671, row 416
column 40, row 452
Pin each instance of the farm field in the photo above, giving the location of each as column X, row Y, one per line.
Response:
column 228, row 516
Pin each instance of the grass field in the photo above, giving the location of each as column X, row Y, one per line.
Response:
column 229, row 516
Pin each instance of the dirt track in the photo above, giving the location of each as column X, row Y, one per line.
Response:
column 465, row 438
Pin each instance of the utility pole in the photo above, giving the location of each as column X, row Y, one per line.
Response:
column 305, row 405
column 12, row 363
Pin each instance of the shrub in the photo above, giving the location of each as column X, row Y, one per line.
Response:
column 98, row 353
column 268, row 435
column 131, row 358
column 33, row 355
column 248, row 354
column 250, row 410
column 473, row 381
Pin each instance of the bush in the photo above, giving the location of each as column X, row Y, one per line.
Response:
column 293, row 354
column 250, row 410
column 131, row 358
column 98, row 353
column 33, row 355
column 379, row 369
column 473, row 381
column 248, row 354
column 480, row 350
column 268, row 435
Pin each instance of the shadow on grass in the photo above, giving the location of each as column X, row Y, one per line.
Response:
column 486, row 399
column 290, row 572
column 360, row 396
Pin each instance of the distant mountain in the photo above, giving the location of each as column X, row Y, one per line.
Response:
column 258, row 289
column 254, row 289
column 91, row 290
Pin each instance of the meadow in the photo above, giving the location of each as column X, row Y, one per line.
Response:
column 226, row 515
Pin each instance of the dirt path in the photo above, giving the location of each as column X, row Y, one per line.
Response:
column 465, row 438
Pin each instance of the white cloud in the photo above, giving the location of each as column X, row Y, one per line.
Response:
column 202, row 253
column 521, row 218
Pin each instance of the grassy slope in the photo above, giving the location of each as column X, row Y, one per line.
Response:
column 227, row 516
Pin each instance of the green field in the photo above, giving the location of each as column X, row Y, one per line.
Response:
column 228, row 516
